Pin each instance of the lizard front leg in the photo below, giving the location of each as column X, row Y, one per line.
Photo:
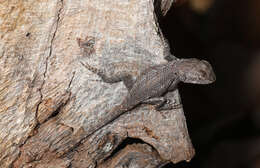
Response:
column 155, row 101
column 168, row 106
column 103, row 74
column 162, row 103
column 159, row 102
column 112, row 77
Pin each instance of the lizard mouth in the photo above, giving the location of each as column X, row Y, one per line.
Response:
column 202, row 80
column 211, row 78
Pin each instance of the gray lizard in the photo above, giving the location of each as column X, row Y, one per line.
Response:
column 151, row 85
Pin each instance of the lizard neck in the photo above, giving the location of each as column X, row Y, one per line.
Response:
column 176, row 65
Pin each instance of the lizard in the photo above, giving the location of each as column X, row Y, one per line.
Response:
column 151, row 85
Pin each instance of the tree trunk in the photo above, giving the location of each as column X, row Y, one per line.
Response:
column 48, row 99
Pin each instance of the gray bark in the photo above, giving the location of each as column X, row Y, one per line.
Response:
column 47, row 97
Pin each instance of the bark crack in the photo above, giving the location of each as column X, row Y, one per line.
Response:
column 44, row 79
column 44, row 76
column 67, row 98
column 46, row 62
column 71, row 80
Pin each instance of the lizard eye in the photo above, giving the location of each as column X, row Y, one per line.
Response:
column 203, row 73
column 183, row 78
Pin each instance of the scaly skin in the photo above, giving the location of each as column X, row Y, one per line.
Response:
column 152, row 84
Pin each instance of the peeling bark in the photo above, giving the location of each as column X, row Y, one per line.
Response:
column 47, row 99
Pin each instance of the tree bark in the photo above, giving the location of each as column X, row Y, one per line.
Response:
column 48, row 99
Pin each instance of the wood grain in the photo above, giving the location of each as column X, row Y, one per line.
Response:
column 47, row 98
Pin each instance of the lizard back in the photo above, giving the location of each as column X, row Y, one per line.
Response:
column 153, row 82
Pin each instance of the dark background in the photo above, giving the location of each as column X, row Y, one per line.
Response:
column 223, row 118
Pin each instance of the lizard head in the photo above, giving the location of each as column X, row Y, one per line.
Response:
column 195, row 71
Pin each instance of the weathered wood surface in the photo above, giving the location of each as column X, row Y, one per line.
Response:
column 47, row 98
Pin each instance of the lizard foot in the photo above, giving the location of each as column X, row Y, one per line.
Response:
column 161, row 103
column 168, row 106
